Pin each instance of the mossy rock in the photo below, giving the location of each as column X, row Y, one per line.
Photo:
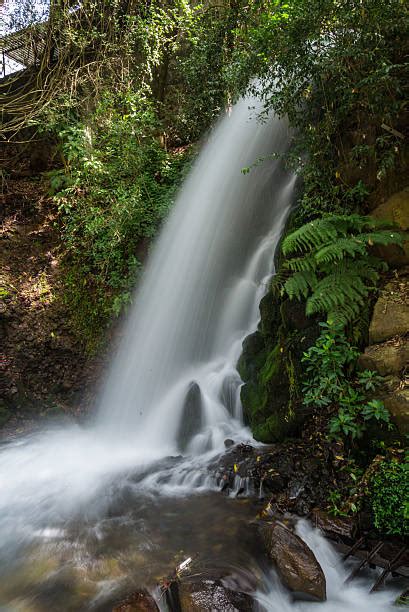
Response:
column 270, row 367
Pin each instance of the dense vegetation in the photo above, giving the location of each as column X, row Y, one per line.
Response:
column 135, row 85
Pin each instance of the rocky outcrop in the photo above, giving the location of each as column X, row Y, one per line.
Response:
column 388, row 352
column 397, row 402
column 391, row 313
column 388, row 358
column 295, row 562
column 395, row 210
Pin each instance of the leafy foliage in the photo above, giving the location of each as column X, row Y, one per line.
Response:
column 338, row 70
column 333, row 268
column 116, row 186
column 389, row 497
column 330, row 382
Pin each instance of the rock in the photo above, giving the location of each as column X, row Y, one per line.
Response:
column 395, row 210
column 140, row 601
column 397, row 403
column 191, row 422
column 386, row 358
column 295, row 562
column 228, row 443
column 334, row 525
column 391, row 313
column 212, row 595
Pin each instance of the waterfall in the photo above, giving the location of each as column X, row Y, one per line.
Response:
column 174, row 384
column 70, row 495
column 173, row 387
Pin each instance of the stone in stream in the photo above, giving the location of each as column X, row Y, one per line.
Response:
column 212, row 595
column 294, row 561
column 191, row 421
column 139, row 601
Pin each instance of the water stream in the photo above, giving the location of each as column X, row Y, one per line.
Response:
column 88, row 513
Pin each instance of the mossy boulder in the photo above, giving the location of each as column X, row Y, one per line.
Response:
column 270, row 367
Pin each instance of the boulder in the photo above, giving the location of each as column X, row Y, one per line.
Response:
column 140, row 601
column 391, row 313
column 191, row 422
column 386, row 358
column 395, row 210
column 397, row 403
column 295, row 562
column 212, row 595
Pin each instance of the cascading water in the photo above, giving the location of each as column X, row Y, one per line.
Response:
column 83, row 510
column 175, row 376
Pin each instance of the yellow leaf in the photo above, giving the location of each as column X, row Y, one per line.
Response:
column 236, row 469
column 337, row 174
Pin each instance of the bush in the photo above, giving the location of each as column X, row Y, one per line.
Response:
column 389, row 497
column 117, row 184
column 330, row 382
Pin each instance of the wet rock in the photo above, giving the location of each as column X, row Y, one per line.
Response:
column 228, row 443
column 295, row 562
column 334, row 525
column 212, row 595
column 398, row 405
column 191, row 422
column 140, row 601
column 391, row 313
column 386, row 358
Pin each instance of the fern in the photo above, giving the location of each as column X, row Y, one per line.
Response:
column 334, row 270
column 300, row 283
column 323, row 231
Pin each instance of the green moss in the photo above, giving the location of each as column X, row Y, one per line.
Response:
column 273, row 429
column 272, row 365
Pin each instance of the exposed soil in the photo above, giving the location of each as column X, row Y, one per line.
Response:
column 44, row 368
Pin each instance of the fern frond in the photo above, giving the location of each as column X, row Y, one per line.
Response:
column 341, row 247
column 300, row 284
column 333, row 264
column 309, row 236
column 335, row 291
column 300, row 264
column 365, row 268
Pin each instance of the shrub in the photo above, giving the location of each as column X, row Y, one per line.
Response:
column 330, row 381
column 389, row 497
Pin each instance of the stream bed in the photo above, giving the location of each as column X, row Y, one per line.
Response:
column 135, row 536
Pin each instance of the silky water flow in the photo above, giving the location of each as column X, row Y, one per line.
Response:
column 85, row 510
